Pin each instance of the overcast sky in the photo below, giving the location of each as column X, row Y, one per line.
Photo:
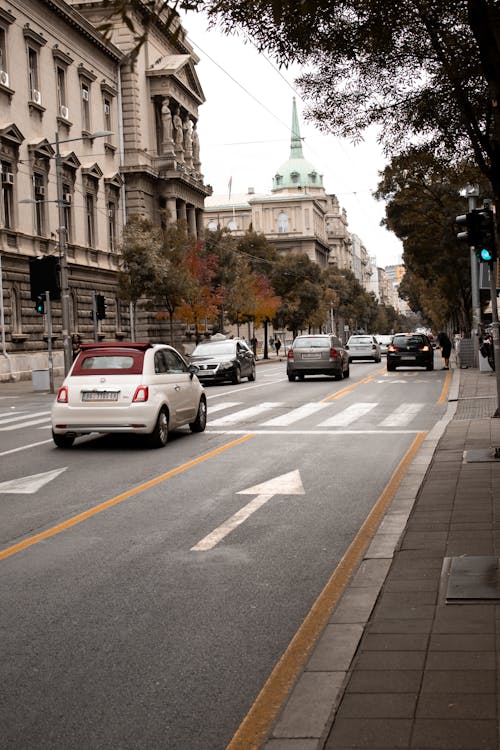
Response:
column 244, row 128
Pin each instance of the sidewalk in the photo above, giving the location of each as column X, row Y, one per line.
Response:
column 410, row 657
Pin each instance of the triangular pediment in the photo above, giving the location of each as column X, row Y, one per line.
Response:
column 70, row 160
column 115, row 180
column 42, row 149
column 180, row 67
column 93, row 170
column 12, row 134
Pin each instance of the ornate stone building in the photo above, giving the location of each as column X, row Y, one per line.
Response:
column 61, row 82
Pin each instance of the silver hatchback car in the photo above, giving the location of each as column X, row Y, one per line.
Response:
column 363, row 347
column 317, row 354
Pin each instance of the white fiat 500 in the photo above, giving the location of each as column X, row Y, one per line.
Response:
column 136, row 388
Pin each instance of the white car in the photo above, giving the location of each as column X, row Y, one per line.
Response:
column 136, row 388
column 363, row 346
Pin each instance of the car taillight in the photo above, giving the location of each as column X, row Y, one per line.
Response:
column 424, row 348
column 333, row 353
column 62, row 395
column 290, row 354
column 392, row 348
column 141, row 394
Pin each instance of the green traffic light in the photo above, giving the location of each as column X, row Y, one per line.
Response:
column 485, row 254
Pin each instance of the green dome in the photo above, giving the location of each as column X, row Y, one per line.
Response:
column 296, row 172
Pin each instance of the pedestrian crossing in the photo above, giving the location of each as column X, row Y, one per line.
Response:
column 269, row 415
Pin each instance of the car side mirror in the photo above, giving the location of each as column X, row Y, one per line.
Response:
column 193, row 369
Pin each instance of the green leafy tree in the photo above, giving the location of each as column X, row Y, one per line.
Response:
column 298, row 281
column 140, row 260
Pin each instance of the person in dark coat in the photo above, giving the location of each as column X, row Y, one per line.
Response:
column 445, row 346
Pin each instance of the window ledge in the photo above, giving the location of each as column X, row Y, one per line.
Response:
column 109, row 147
column 7, row 90
column 19, row 338
column 64, row 121
column 38, row 107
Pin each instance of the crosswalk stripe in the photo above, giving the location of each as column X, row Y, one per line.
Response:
column 20, row 425
column 5, row 419
column 349, row 415
column 219, row 407
column 293, row 416
column 237, row 416
column 402, row 415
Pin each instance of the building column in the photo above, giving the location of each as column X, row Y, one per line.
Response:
column 172, row 210
column 191, row 217
column 199, row 222
column 182, row 211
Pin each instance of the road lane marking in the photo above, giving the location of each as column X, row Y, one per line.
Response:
column 25, row 447
column 5, row 418
column 295, row 415
column 225, row 405
column 286, row 484
column 74, row 520
column 252, row 411
column 344, row 391
column 255, row 727
column 314, row 432
column 349, row 415
column 19, row 426
column 402, row 415
column 29, row 485
column 444, row 393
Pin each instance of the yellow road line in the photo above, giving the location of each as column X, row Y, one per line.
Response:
column 444, row 393
column 352, row 386
column 255, row 727
column 9, row 551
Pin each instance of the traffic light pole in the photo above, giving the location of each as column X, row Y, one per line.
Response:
column 49, row 341
column 63, row 261
column 495, row 329
column 472, row 192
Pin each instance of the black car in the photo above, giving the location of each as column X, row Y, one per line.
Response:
column 225, row 359
column 410, row 349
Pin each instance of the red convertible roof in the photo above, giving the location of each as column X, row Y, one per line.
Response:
column 140, row 345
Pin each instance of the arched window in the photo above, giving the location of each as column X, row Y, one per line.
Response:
column 231, row 225
column 282, row 222
column 212, row 225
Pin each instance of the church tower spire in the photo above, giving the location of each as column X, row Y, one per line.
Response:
column 297, row 174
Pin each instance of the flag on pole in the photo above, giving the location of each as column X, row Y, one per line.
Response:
column 229, row 186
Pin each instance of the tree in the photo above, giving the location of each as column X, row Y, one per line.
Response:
column 297, row 280
column 140, row 260
column 423, row 199
column 199, row 299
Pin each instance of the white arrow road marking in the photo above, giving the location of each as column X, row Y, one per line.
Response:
column 31, row 484
column 286, row 484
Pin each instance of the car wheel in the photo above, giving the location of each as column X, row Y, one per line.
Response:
column 252, row 376
column 236, row 379
column 390, row 368
column 159, row 437
column 431, row 366
column 291, row 376
column 338, row 374
column 63, row 441
column 200, row 422
column 346, row 372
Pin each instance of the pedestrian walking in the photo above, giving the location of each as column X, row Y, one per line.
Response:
column 277, row 345
column 75, row 345
column 445, row 346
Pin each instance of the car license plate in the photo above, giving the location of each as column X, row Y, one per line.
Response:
column 100, row 395
column 311, row 355
column 408, row 356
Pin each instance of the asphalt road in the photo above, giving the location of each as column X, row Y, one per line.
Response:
column 154, row 620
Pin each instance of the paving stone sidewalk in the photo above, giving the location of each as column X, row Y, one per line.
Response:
column 398, row 665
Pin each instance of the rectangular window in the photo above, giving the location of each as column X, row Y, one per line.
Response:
column 68, row 199
column 61, row 89
column 33, row 75
column 7, row 187
column 111, row 226
column 4, row 78
column 85, row 89
column 107, row 118
column 90, row 218
column 39, row 196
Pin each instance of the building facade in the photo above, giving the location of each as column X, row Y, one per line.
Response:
column 88, row 138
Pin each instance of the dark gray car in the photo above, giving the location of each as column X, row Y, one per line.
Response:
column 317, row 354
column 226, row 359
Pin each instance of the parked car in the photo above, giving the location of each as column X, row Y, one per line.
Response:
column 136, row 388
column 363, row 346
column 317, row 354
column 384, row 340
column 411, row 349
column 224, row 359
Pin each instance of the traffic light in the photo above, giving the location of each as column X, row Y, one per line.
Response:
column 100, row 306
column 479, row 232
column 44, row 277
column 486, row 247
column 40, row 304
